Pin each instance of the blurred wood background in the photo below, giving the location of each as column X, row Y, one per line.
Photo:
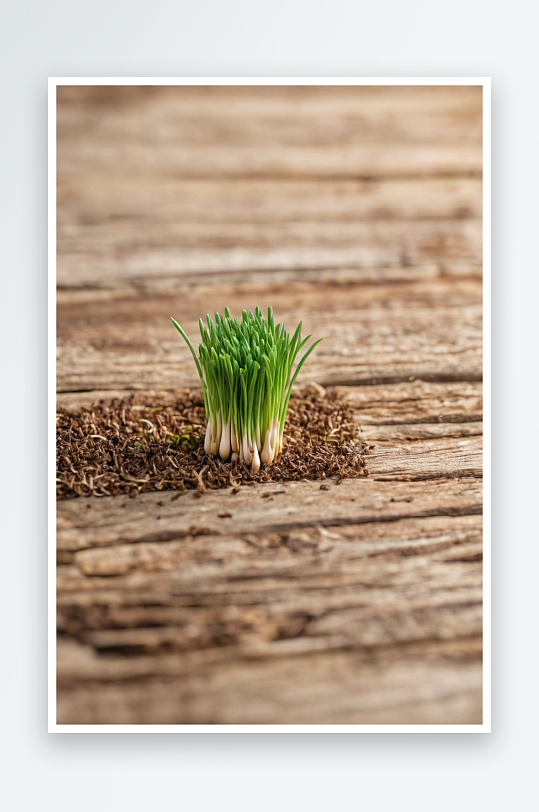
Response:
column 358, row 211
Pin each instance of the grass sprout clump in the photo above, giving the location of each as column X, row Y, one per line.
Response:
column 245, row 369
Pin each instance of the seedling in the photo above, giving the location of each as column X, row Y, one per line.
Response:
column 187, row 441
column 245, row 369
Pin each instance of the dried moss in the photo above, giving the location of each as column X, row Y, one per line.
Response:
column 141, row 444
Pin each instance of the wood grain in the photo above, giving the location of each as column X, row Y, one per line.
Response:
column 268, row 131
column 111, row 520
column 175, row 254
column 358, row 211
column 372, row 333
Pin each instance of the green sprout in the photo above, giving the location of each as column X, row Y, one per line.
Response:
column 186, row 441
column 245, row 369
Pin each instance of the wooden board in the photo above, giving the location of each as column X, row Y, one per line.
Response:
column 373, row 333
column 358, row 211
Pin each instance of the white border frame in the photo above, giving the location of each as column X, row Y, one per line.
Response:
column 485, row 83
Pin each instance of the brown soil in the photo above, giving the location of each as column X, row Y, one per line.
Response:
column 146, row 444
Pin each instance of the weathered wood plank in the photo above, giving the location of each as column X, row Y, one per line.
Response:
column 391, row 594
column 402, row 112
column 77, row 288
column 371, row 334
column 427, row 684
column 328, row 547
column 353, row 161
column 94, row 205
column 112, row 520
column 412, row 402
column 377, row 554
column 274, row 131
column 421, row 431
column 428, row 459
column 144, row 254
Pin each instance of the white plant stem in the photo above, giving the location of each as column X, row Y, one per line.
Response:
column 216, row 436
column 224, row 445
column 255, row 464
column 208, row 441
column 247, row 456
column 266, row 455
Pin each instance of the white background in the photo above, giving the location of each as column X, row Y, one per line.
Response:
column 261, row 772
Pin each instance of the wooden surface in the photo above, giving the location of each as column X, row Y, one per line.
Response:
column 357, row 210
